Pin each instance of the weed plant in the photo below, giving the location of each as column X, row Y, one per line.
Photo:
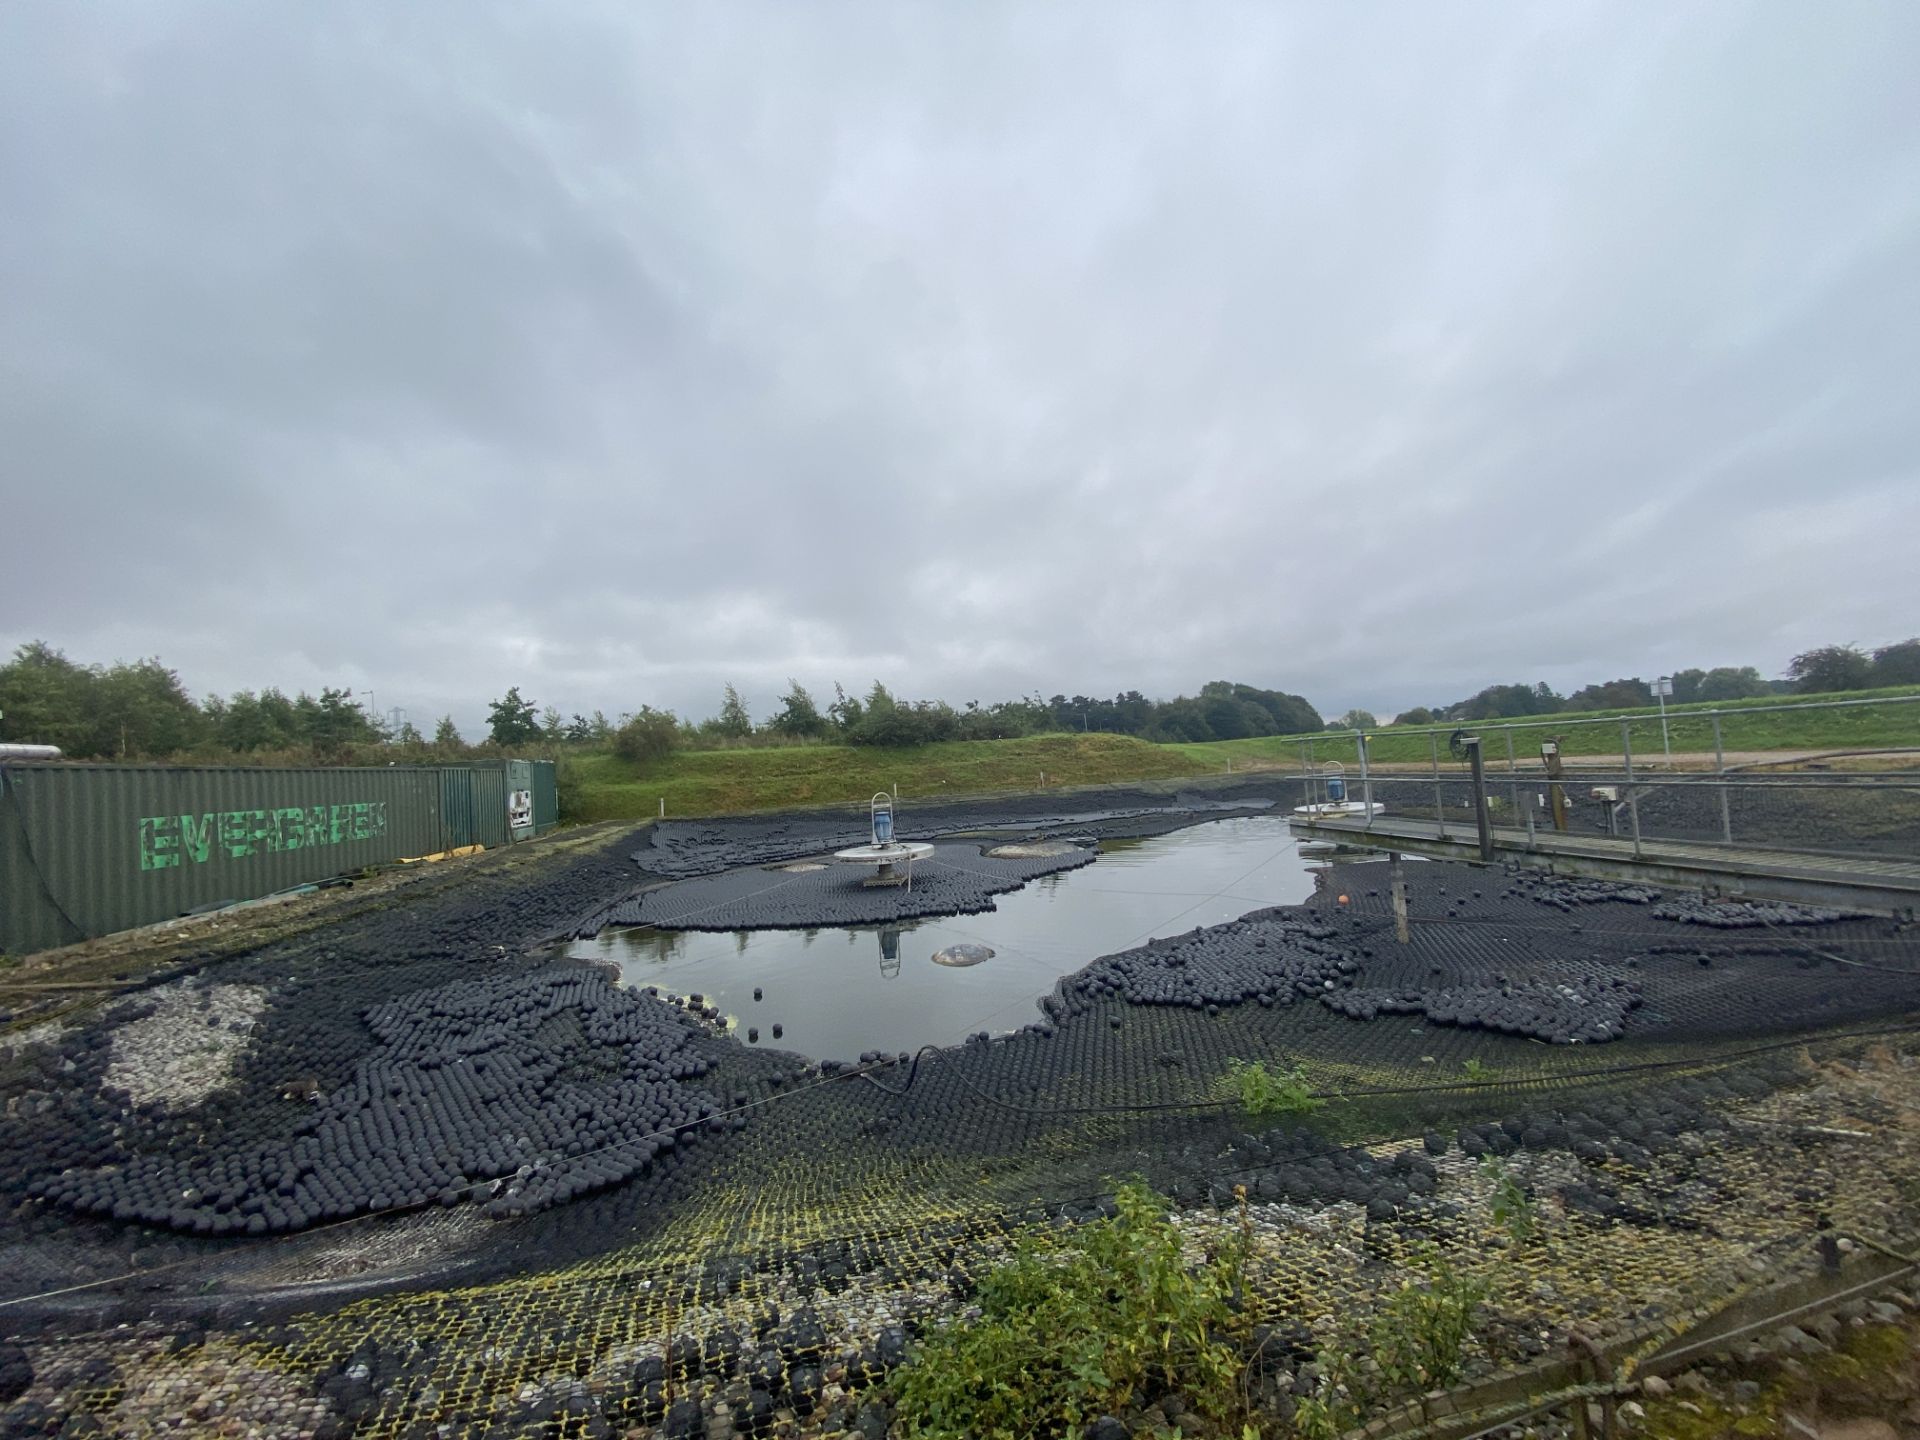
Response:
column 1266, row 1091
column 1071, row 1329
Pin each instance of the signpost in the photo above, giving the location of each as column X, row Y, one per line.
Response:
column 1662, row 688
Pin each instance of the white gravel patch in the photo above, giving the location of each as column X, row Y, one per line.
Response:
column 45, row 1033
column 187, row 1048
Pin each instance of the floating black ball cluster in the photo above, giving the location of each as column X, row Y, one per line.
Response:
column 521, row 1090
column 1574, row 1010
column 1745, row 914
column 957, row 879
column 1566, row 895
column 1271, row 960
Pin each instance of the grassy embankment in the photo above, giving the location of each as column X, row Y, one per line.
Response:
column 723, row 782
column 735, row 781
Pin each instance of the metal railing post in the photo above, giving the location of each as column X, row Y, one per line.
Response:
column 1366, row 784
column 1720, row 769
column 1482, row 824
column 1513, row 785
column 1439, row 809
column 1633, row 800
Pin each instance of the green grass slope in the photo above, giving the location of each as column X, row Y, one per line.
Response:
column 739, row 781
column 1746, row 725
column 724, row 782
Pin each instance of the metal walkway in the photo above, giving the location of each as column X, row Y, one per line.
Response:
column 1848, row 882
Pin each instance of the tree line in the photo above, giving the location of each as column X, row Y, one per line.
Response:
column 141, row 711
column 1223, row 710
column 1830, row 669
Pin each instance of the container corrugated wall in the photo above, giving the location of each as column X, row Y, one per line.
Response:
column 89, row 849
column 546, row 796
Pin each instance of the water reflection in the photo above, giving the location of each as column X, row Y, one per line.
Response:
column 882, row 989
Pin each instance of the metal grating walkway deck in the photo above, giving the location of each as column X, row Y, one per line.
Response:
column 1851, row 882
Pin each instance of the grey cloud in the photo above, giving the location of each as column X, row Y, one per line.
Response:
column 1378, row 352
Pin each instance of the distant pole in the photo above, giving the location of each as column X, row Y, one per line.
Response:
column 1662, row 688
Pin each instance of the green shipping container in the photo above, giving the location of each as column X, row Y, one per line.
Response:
column 86, row 850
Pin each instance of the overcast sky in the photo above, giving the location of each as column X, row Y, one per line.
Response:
column 1374, row 352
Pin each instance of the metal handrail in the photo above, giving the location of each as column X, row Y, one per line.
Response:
column 1691, row 710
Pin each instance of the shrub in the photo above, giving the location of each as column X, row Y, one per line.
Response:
column 1263, row 1091
column 1417, row 1338
column 1069, row 1330
column 649, row 735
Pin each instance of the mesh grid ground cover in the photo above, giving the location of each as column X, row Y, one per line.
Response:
column 771, row 1264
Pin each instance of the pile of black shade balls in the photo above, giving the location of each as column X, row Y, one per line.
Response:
column 524, row 1091
column 1564, row 895
column 1745, row 914
column 1570, row 1010
column 1271, row 959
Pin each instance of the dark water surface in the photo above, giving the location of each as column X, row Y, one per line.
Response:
column 838, row 992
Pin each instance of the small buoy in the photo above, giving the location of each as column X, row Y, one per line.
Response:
column 963, row 954
column 778, row 1031
column 756, row 992
column 1343, row 899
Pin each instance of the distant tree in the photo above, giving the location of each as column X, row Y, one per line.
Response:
column 1181, row 719
column 1613, row 695
column 1897, row 664
column 1354, row 720
column 602, row 728
column 332, row 723
column 407, row 734
column 446, row 735
column 798, row 716
column 1506, row 702
column 733, row 720
column 45, row 699
column 578, row 731
column 844, row 712
column 647, row 736
column 1686, row 685
column 510, row 720
column 1730, row 682
column 1417, row 715
column 1830, row 668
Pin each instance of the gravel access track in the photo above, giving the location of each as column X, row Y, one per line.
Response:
column 959, row 878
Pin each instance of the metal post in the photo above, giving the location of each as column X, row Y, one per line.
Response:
column 1633, row 800
column 1513, row 785
column 1439, row 809
column 1366, row 785
column 1397, row 873
column 1556, row 792
column 1720, row 769
column 1659, row 692
column 1482, row 822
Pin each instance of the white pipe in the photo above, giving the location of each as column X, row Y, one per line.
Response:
column 29, row 752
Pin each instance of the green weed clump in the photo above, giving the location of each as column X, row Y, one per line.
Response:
column 1072, row 1329
column 1417, row 1340
column 1266, row 1091
column 1511, row 1206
